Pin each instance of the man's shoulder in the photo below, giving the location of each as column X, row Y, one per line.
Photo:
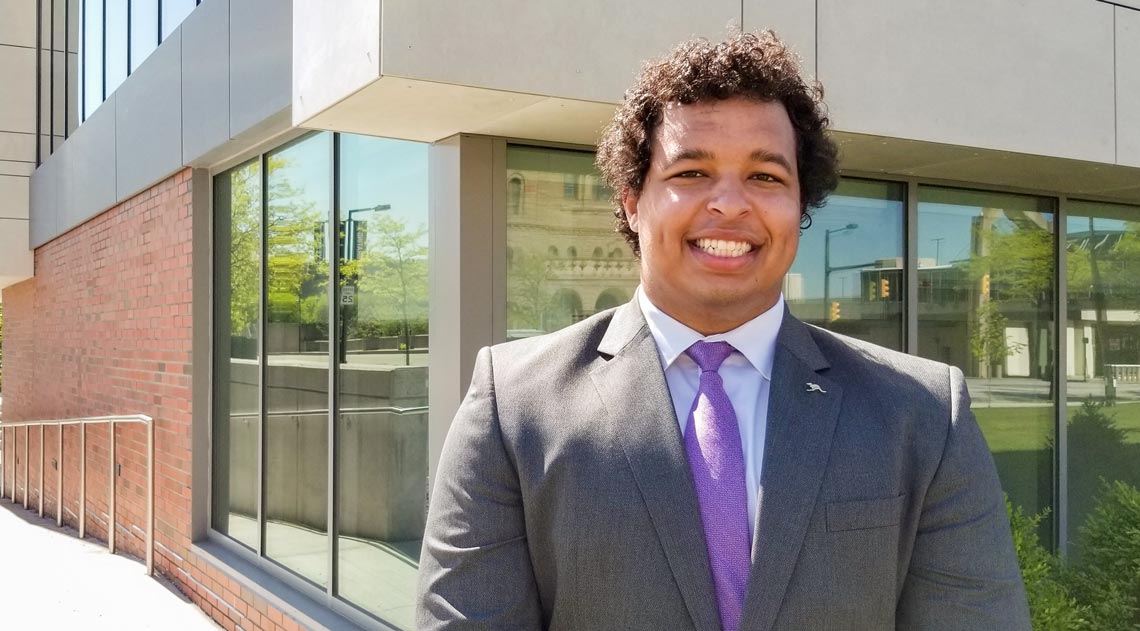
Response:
column 568, row 346
column 876, row 367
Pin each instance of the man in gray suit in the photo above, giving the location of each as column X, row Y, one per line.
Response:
column 698, row 458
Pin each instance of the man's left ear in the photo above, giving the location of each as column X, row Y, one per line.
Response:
column 629, row 206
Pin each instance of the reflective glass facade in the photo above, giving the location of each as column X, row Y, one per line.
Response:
column 1102, row 343
column 564, row 260
column 986, row 287
column 848, row 273
column 985, row 272
column 318, row 363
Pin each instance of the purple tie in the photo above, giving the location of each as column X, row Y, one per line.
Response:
column 712, row 443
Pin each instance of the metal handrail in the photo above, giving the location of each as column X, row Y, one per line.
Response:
column 397, row 410
column 112, row 421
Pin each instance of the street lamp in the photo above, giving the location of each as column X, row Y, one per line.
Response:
column 350, row 228
column 348, row 253
column 938, row 250
column 827, row 260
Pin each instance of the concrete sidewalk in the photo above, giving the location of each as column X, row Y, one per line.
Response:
column 49, row 579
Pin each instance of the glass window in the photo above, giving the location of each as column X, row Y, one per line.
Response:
column 173, row 12
column 116, row 68
column 986, row 273
column 144, row 30
column 383, row 425
column 848, row 274
column 546, row 291
column 297, row 350
column 237, row 408
column 1103, row 354
column 92, row 56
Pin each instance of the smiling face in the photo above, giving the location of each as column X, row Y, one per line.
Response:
column 718, row 216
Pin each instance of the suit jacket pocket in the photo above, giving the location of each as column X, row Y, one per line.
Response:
column 863, row 514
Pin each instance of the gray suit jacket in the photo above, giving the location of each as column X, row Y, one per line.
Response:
column 564, row 500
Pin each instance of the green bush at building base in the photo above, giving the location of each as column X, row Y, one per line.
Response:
column 1099, row 592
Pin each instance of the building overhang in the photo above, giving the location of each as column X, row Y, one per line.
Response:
column 428, row 111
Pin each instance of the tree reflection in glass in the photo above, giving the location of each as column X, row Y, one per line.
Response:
column 1103, row 344
column 382, row 460
column 297, row 346
column 986, row 277
column 236, row 352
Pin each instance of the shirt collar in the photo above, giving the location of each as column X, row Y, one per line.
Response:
column 755, row 339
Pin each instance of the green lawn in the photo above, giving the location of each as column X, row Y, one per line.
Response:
column 1027, row 428
column 1019, row 438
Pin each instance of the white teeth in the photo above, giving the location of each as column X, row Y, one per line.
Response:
column 720, row 247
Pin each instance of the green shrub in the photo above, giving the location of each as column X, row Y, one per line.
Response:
column 1107, row 575
column 1051, row 606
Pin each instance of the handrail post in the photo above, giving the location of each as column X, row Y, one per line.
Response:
column 27, row 456
column 59, row 475
column 41, row 470
column 111, row 491
column 150, row 498
column 82, row 480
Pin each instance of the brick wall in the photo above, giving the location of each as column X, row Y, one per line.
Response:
column 104, row 328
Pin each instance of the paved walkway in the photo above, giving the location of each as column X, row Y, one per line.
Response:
column 51, row 580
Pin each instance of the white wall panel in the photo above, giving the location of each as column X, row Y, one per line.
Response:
column 1128, row 87
column 18, row 23
column 18, row 106
column 578, row 50
column 13, row 197
column 793, row 21
column 14, row 146
column 1032, row 77
column 16, row 259
column 336, row 54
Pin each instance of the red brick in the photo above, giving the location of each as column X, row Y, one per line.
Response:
column 105, row 328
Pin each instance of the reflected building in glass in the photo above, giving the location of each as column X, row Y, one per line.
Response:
column 350, row 311
column 285, row 234
column 564, row 260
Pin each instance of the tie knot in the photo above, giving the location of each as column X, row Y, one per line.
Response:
column 709, row 355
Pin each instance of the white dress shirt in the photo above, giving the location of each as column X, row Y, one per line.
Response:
column 747, row 376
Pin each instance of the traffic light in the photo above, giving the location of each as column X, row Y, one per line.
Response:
column 833, row 315
column 884, row 288
column 985, row 284
column 871, row 290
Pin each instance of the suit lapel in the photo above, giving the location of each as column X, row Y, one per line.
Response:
column 801, row 424
column 632, row 386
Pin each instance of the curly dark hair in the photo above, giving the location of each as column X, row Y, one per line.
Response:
column 752, row 65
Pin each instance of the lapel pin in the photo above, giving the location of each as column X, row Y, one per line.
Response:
column 814, row 387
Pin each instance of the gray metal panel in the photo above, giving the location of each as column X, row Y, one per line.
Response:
column 1031, row 77
column 1128, row 87
column 579, row 50
column 261, row 68
column 149, row 120
column 44, row 199
column 793, row 21
column 205, row 79
column 86, row 177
